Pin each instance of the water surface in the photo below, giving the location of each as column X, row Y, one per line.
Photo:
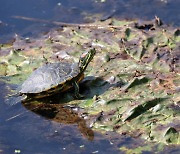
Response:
column 76, row 11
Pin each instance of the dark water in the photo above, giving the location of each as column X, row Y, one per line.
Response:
column 76, row 11
column 32, row 133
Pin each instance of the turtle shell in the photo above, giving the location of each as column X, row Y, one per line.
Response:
column 49, row 77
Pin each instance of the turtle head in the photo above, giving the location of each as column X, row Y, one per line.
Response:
column 86, row 58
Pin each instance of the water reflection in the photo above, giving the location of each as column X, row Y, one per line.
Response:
column 60, row 114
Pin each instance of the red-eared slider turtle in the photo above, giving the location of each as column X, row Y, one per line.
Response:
column 52, row 78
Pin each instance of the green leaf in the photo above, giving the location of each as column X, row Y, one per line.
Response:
column 172, row 136
column 135, row 82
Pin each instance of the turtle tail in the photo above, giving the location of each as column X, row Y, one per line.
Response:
column 14, row 99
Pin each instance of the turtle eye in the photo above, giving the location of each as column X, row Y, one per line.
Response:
column 82, row 61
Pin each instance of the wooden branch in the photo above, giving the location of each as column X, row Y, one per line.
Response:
column 66, row 24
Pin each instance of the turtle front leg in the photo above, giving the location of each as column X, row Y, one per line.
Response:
column 76, row 88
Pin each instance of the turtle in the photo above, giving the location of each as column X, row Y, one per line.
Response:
column 52, row 78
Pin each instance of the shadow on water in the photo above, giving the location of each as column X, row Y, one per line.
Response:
column 92, row 86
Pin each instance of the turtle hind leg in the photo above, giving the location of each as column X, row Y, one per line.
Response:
column 76, row 90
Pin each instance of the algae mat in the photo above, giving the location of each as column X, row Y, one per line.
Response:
column 131, row 86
